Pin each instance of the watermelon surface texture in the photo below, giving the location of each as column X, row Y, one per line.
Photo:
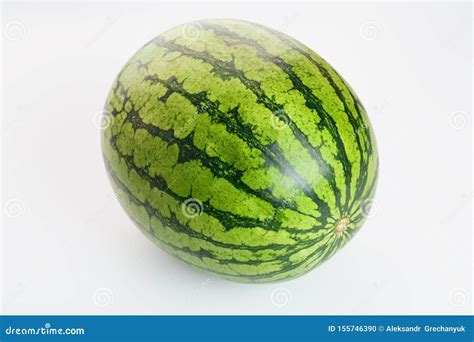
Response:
column 239, row 150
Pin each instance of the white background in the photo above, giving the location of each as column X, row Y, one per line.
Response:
column 68, row 247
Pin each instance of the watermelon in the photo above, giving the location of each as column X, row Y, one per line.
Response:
column 239, row 150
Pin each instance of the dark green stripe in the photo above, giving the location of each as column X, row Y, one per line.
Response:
column 227, row 69
column 215, row 165
column 355, row 123
column 235, row 126
column 312, row 102
column 227, row 219
column 206, row 253
column 173, row 222
column 370, row 150
column 175, row 225
column 368, row 196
